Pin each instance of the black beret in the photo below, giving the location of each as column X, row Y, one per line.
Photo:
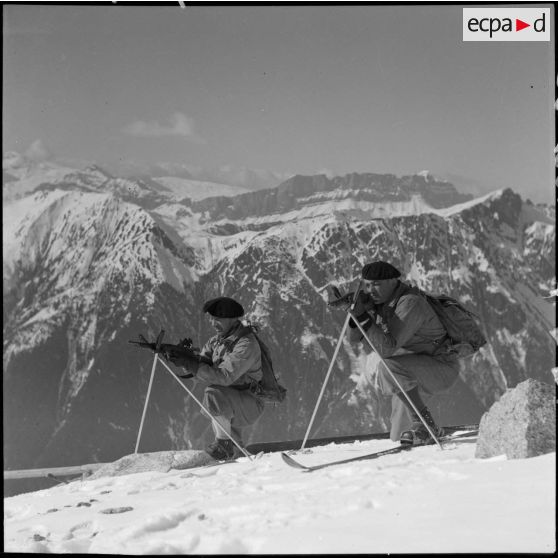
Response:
column 223, row 307
column 377, row 271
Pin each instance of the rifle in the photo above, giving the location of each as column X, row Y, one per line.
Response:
column 183, row 348
column 340, row 299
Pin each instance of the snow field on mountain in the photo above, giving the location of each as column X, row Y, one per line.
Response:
column 426, row 500
column 28, row 178
column 18, row 217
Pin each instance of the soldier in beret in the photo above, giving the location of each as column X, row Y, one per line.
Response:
column 408, row 335
column 236, row 365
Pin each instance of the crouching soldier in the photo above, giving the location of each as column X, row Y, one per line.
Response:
column 408, row 335
column 236, row 367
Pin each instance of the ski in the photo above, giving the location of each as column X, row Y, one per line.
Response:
column 293, row 463
column 396, row 449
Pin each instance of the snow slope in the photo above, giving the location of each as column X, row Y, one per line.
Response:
column 423, row 501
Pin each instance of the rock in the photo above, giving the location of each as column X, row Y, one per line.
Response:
column 521, row 424
column 162, row 461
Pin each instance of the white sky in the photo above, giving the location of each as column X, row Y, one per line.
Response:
column 293, row 89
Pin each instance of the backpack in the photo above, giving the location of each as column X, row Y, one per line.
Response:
column 268, row 389
column 460, row 324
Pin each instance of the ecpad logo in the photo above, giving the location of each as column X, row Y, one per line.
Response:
column 506, row 24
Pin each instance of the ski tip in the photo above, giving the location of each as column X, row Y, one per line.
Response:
column 290, row 461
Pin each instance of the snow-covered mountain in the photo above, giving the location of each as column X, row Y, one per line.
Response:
column 21, row 175
column 91, row 260
column 243, row 178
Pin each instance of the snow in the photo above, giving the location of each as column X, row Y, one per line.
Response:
column 19, row 215
column 342, row 208
column 28, row 175
column 42, row 315
column 460, row 207
column 426, row 500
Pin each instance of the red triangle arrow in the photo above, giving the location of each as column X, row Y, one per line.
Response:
column 519, row 25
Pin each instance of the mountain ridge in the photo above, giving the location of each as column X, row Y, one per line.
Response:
column 86, row 268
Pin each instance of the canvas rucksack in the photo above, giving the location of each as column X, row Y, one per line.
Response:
column 268, row 388
column 460, row 324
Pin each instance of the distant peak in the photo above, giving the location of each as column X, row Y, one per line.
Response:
column 96, row 169
column 12, row 159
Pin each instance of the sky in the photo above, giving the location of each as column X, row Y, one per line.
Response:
column 426, row 501
column 289, row 89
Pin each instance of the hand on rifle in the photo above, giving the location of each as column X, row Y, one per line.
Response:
column 364, row 306
column 364, row 302
column 183, row 357
column 183, row 354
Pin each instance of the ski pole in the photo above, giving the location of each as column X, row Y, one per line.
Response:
column 395, row 380
column 345, row 325
column 249, row 456
column 146, row 401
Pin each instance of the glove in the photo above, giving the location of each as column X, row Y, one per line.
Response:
column 187, row 360
column 363, row 306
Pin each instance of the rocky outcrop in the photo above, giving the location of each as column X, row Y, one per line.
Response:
column 521, row 424
column 162, row 461
column 300, row 191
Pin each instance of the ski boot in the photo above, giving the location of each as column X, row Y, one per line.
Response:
column 222, row 450
column 418, row 435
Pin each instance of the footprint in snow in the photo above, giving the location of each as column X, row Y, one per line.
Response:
column 87, row 529
column 37, row 537
column 79, row 538
column 199, row 474
column 117, row 510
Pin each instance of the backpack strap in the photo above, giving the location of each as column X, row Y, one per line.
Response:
column 231, row 341
column 440, row 343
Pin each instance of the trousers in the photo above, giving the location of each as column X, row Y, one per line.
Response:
column 432, row 374
column 233, row 409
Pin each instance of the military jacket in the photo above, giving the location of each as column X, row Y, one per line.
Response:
column 404, row 324
column 236, row 367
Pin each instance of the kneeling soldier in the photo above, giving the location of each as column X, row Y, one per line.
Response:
column 236, row 368
column 413, row 343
